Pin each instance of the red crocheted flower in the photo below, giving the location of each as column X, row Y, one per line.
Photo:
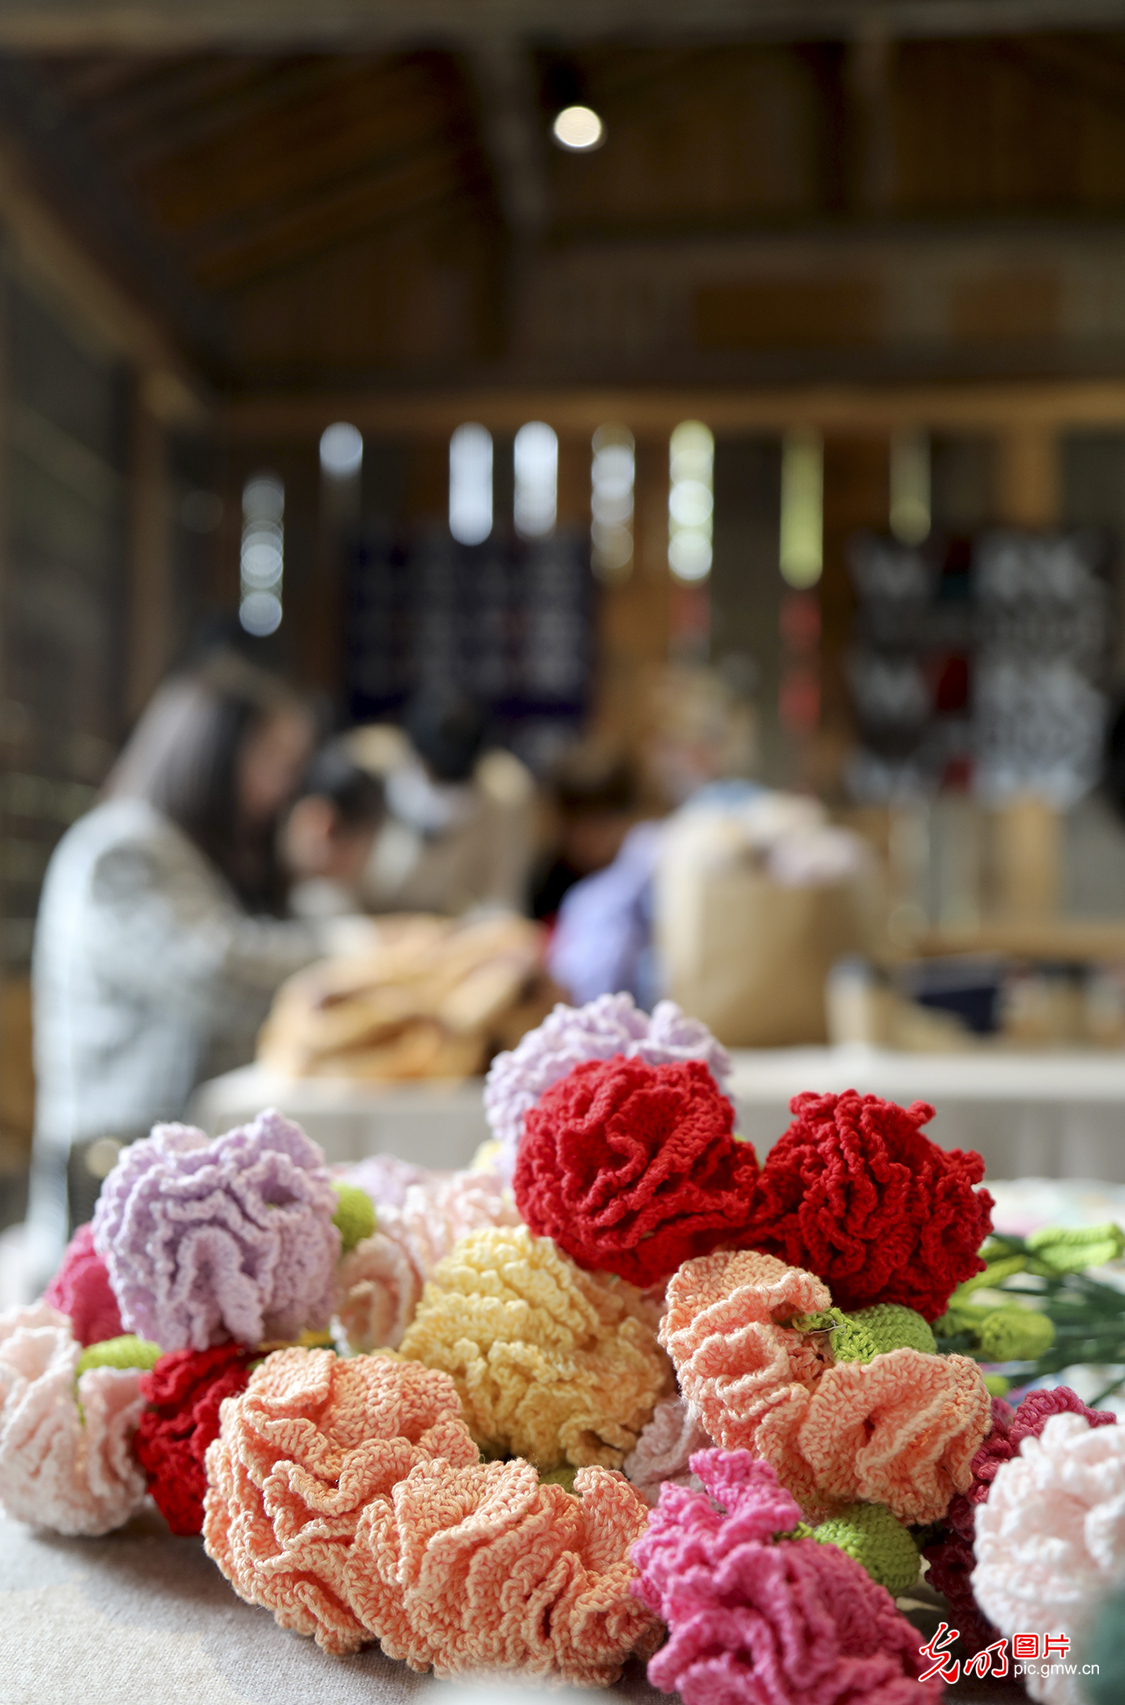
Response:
column 857, row 1195
column 81, row 1290
column 184, row 1391
column 633, row 1168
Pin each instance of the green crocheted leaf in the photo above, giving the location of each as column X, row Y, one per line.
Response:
column 872, row 1535
column 1015, row 1335
column 1061, row 1249
column 850, row 1343
column 125, row 1352
column 893, row 1327
column 354, row 1218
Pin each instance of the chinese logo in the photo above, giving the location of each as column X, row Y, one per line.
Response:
column 1031, row 1654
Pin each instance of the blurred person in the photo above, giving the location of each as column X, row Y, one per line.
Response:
column 458, row 831
column 327, row 838
column 160, row 941
column 592, row 798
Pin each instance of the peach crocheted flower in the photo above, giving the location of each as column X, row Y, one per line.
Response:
column 485, row 1569
column 310, row 1442
column 1050, row 1541
column 66, row 1459
column 663, row 1451
column 381, row 1279
column 550, row 1362
column 900, row 1429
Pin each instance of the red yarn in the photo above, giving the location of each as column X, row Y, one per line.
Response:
column 633, row 1168
column 81, row 1289
column 854, row 1193
column 184, row 1391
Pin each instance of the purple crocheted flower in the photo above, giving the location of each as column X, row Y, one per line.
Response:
column 211, row 1240
column 568, row 1036
column 761, row 1619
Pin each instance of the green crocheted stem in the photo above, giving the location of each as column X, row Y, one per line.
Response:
column 125, row 1352
column 354, row 1218
column 1072, row 1249
column 877, row 1541
column 893, row 1327
column 1015, row 1335
column 850, row 1343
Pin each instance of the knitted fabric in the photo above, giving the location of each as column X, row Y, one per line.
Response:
column 871, row 1332
column 856, row 1194
column 125, row 1351
column 81, row 1290
column 381, row 1281
column 870, row 1534
column 763, row 1620
column 354, row 1218
column 183, row 1393
column 597, row 1031
column 551, row 1363
column 486, row 1569
column 633, row 1168
column 66, row 1461
column 950, row 1557
column 664, row 1449
column 211, row 1240
column 900, row 1429
column 310, row 1442
column 1050, row 1541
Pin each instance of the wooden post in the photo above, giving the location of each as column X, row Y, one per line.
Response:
column 150, row 550
column 1027, row 477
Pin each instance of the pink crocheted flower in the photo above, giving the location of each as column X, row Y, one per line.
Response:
column 66, row 1459
column 211, row 1240
column 81, row 1290
column 483, row 1569
column 664, row 1450
column 381, row 1280
column 312, row 1440
column 757, row 1619
column 900, row 1429
column 1050, row 1540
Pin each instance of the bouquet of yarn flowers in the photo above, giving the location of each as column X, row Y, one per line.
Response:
column 617, row 1391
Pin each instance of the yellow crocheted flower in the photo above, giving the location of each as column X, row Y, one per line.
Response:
column 550, row 1362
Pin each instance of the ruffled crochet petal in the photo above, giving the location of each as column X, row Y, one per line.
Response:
column 311, row 1441
column 207, row 1241
column 66, row 1457
column 664, row 1450
column 182, row 1395
column 550, row 1362
column 81, row 1290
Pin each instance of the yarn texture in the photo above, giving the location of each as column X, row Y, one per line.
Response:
column 634, row 1168
column 761, row 1619
column 66, row 1460
column 211, row 1240
column 486, row 1569
column 550, row 1362
column 309, row 1443
column 569, row 1036
column 181, row 1418
column 81, row 1290
column 665, row 1448
column 855, row 1193
column 1050, row 1540
column 870, row 1534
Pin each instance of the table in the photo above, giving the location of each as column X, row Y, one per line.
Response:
column 1049, row 1115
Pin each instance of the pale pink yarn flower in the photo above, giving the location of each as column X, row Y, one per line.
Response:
column 66, row 1458
column 901, row 1429
column 663, row 1451
column 212, row 1239
column 309, row 1443
column 386, row 1178
column 755, row 1618
column 483, row 1569
column 380, row 1281
column 570, row 1035
column 1050, row 1541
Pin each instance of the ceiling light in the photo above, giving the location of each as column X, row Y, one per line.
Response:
column 579, row 129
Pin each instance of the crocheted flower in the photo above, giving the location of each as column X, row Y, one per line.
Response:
column 856, row 1194
column 951, row 1557
column 1050, row 1540
column 230, row 1238
column 664, row 1449
column 633, row 1168
column 550, row 1362
column 66, row 1461
column 485, row 1569
column 81, row 1290
column 311, row 1441
column 381, row 1280
column 570, row 1035
column 761, row 1619
column 183, row 1393
column 899, row 1429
